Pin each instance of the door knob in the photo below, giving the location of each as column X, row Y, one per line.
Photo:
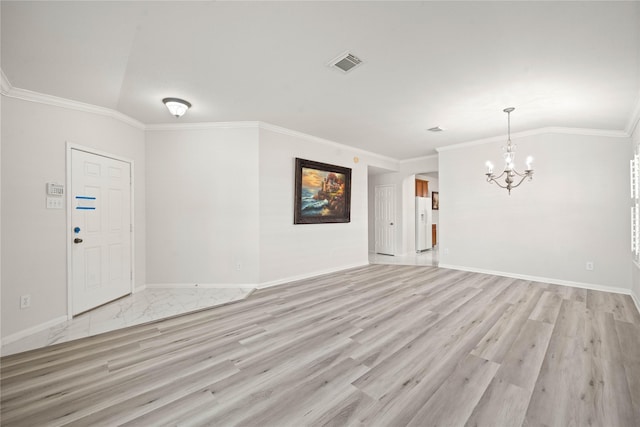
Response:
column 77, row 240
column 390, row 223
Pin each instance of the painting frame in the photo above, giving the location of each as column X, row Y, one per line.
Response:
column 435, row 200
column 328, row 200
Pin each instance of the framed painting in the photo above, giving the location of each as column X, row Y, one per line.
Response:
column 322, row 194
column 435, row 200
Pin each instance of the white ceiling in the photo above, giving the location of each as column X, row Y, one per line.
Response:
column 449, row 64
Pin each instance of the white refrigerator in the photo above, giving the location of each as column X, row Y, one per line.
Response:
column 423, row 224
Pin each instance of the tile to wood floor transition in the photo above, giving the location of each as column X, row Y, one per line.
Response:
column 381, row 345
column 136, row 309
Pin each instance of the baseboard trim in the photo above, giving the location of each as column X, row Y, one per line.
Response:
column 251, row 285
column 636, row 300
column 309, row 275
column 552, row 281
column 199, row 285
column 33, row 330
column 634, row 285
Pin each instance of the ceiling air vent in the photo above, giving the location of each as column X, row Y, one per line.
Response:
column 346, row 62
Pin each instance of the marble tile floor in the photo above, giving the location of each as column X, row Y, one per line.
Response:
column 138, row 308
column 430, row 258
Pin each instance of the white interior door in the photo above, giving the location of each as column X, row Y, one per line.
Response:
column 385, row 219
column 101, row 230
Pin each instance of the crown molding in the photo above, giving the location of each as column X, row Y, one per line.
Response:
column 27, row 95
column 201, row 126
column 419, row 159
column 540, row 131
column 285, row 131
column 6, row 89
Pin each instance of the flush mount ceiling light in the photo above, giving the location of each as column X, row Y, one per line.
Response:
column 509, row 155
column 177, row 106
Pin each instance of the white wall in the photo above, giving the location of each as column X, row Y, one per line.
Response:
column 34, row 242
column 3, row 83
column 218, row 196
column 419, row 165
column 203, row 206
column 635, row 268
column 575, row 210
column 290, row 251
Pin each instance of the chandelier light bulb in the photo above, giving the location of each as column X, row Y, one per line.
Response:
column 529, row 161
column 509, row 157
column 489, row 167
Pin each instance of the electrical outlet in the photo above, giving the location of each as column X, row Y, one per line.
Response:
column 446, row 251
column 589, row 265
column 25, row 301
column 238, row 266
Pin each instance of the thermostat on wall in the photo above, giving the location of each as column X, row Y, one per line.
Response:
column 55, row 189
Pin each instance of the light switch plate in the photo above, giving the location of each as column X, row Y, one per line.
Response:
column 55, row 203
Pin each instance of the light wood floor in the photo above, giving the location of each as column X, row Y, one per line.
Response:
column 380, row 345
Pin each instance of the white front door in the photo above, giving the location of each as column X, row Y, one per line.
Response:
column 385, row 219
column 101, row 230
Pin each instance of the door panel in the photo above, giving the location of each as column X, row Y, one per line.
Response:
column 115, row 210
column 101, row 211
column 115, row 266
column 92, row 265
column 385, row 219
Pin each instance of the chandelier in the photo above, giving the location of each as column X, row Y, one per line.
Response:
column 509, row 171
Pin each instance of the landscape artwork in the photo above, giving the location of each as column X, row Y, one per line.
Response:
column 323, row 193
